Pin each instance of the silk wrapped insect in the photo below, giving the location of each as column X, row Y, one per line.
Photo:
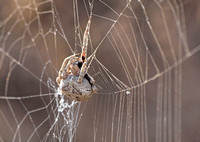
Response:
column 73, row 79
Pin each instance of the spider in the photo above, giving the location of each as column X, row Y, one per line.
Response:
column 73, row 79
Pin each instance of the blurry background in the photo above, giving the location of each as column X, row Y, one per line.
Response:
column 146, row 69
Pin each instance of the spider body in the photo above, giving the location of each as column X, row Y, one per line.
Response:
column 73, row 79
column 74, row 90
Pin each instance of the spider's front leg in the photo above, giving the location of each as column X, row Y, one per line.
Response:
column 62, row 72
column 84, row 68
column 84, row 50
column 82, row 72
column 85, row 40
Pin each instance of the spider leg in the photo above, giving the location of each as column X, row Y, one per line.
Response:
column 84, row 50
column 63, row 67
column 85, row 40
column 82, row 72
column 67, row 68
column 84, row 69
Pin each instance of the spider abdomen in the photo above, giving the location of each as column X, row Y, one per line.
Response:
column 74, row 90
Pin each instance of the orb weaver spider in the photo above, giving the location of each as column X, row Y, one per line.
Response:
column 73, row 79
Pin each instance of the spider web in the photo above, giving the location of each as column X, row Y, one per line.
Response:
column 145, row 66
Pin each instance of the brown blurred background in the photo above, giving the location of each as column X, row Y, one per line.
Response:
column 40, row 60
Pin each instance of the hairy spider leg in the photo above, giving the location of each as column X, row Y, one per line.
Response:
column 65, row 63
column 87, row 76
column 84, row 50
column 72, row 60
column 85, row 40
column 83, row 73
column 63, row 67
column 84, row 69
column 62, row 71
